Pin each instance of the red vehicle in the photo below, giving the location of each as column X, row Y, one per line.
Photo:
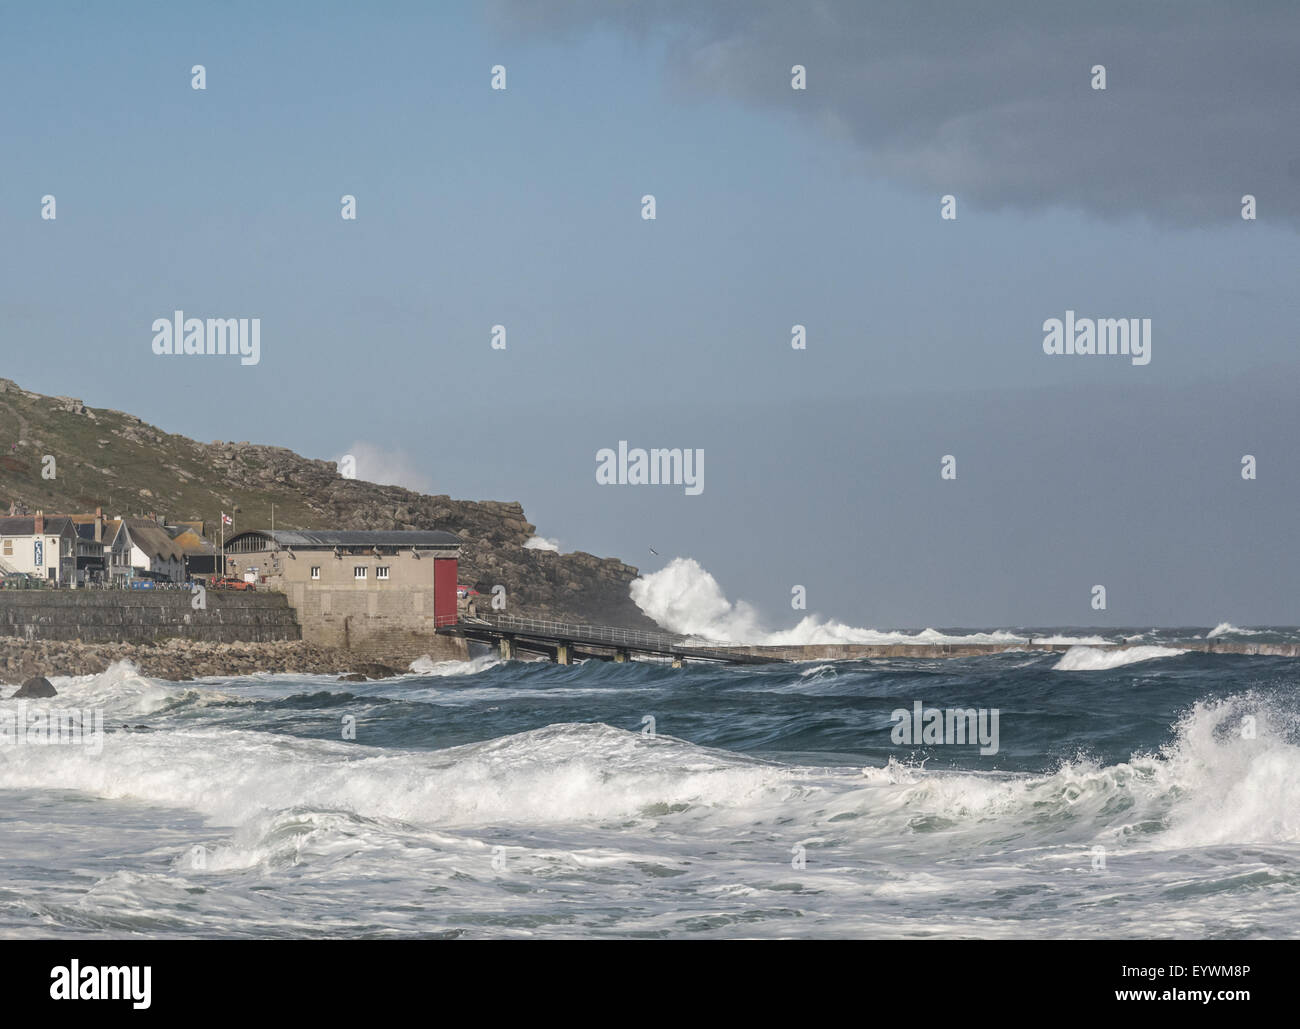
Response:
column 232, row 584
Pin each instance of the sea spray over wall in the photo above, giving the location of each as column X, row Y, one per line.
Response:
column 684, row 598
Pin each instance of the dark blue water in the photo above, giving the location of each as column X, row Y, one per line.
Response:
column 1154, row 798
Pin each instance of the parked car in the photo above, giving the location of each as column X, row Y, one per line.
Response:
column 233, row 584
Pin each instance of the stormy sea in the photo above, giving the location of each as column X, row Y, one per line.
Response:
column 1142, row 793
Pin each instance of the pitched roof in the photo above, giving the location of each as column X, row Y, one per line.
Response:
column 314, row 538
column 190, row 542
column 85, row 526
column 152, row 538
column 54, row 526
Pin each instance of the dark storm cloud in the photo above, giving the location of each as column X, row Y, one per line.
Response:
column 992, row 102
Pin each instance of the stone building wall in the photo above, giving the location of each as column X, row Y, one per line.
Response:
column 393, row 626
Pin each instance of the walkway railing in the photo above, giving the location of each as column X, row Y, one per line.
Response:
column 609, row 635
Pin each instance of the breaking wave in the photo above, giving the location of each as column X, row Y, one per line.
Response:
column 249, row 796
column 683, row 597
column 1228, row 629
column 1214, row 782
column 1087, row 659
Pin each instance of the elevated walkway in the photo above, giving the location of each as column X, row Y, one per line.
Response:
column 564, row 642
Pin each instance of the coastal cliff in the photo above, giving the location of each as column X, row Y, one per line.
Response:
column 116, row 461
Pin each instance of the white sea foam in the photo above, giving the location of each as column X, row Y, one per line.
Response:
column 427, row 666
column 1214, row 783
column 1074, row 641
column 121, row 691
column 684, row 598
column 1087, row 659
column 818, row 671
column 1234, row 774
column 587, row 812
column 1228, row 629
column 555, row 774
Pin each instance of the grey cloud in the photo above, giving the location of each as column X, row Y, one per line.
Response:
column 992, row 102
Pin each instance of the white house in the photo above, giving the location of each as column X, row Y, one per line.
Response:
column 41, row 547
column 142, row 545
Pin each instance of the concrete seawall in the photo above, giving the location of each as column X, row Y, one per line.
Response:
column 392, row 626
column 125, row 616
column 849, row 651
column 355, row 623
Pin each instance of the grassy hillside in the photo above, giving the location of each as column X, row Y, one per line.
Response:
column 110, row 459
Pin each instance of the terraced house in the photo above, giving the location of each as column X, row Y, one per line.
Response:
column 143, row 546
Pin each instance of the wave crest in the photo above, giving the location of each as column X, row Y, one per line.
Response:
column 1089, row 659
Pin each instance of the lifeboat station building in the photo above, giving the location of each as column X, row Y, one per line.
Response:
column 379, row 594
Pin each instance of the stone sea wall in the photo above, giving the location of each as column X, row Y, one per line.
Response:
column 131, row 616
column 174, row 659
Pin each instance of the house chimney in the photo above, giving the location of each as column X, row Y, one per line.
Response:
column 99, row 525
column 39, row 525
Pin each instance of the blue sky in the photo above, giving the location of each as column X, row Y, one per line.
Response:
column 522, row 207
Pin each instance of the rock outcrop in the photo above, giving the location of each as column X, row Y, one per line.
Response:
column 34, row 688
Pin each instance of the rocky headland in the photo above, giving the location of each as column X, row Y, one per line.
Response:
column 114, row 460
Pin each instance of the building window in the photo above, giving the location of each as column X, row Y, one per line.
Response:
column 381, row 572
column 315, row 571
column 9, row 548
column 359, row 572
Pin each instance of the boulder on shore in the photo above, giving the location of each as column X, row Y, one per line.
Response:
column 34, row 688
column 376, row 671
column 352, row 677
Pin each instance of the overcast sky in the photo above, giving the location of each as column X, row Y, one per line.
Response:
column 775, row 207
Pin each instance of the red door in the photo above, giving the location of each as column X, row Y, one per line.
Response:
column 444, row 591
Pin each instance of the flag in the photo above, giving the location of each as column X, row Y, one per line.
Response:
column 226, row 519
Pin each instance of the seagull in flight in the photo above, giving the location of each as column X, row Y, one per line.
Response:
column 653, row 551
